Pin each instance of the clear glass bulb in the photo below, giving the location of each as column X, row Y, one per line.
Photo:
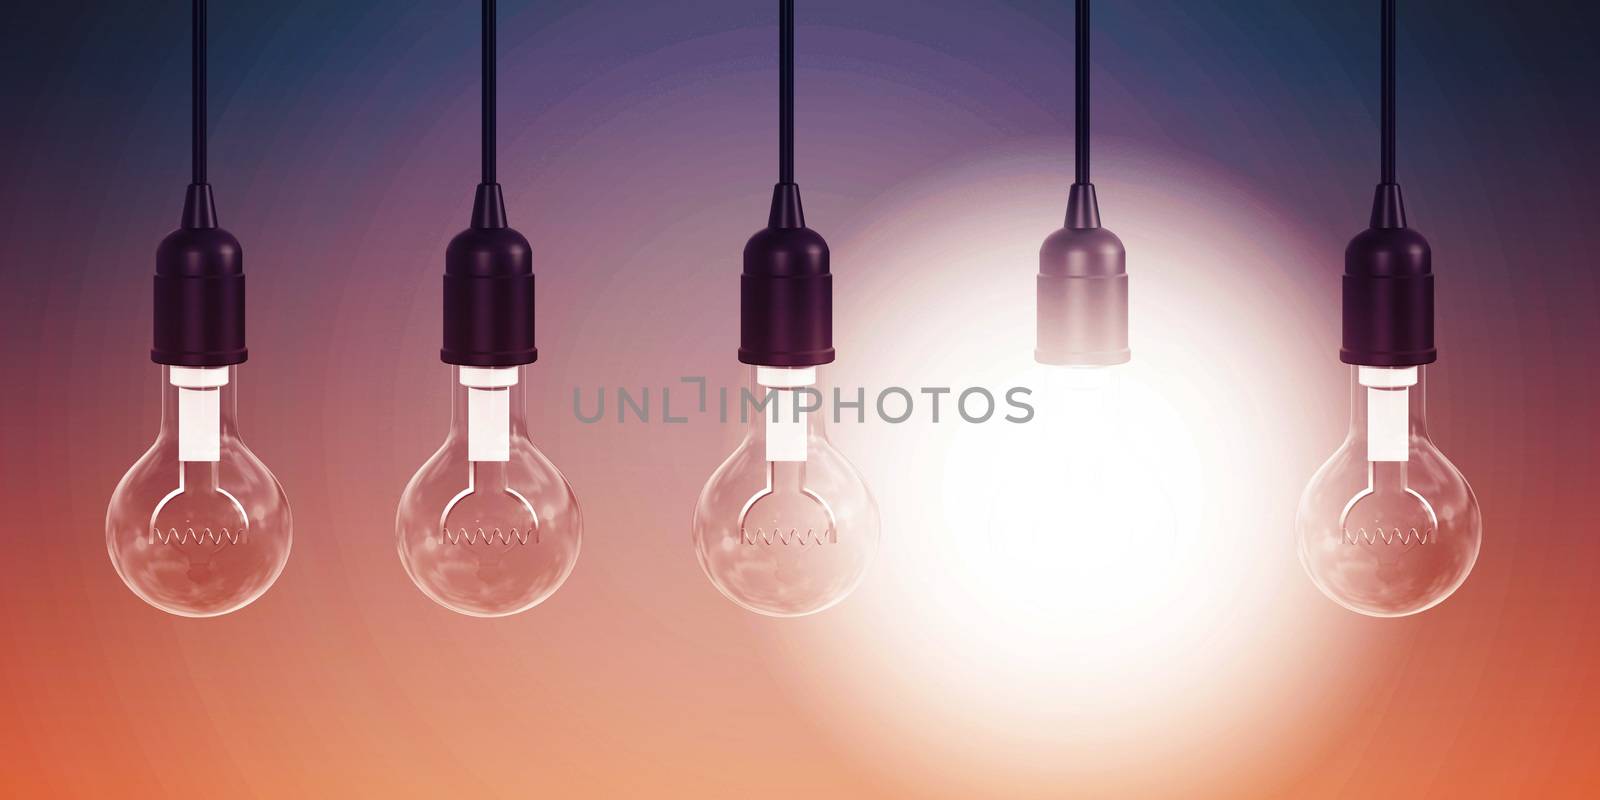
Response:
column 786, row 526
column 488, row 527
column 198, row 527
column 1388, row 527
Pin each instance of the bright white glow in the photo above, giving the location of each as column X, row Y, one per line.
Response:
column 1388, row 412
column 199, row 411
column 787, row 427
column 1077, row 675
column 488, row 412
column 1070, row 518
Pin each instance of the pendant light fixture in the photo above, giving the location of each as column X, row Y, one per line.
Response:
column 786, row 526
column 1082, row 292
column 1388, row 526
column 199, row 526
column 1068, row 508
column 488, row 527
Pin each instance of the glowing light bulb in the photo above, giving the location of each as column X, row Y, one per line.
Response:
column 488, row 526
column 786, row 526
column 1085, row 496
column 198, row 526
column 1388, row 526
column 1069, row 513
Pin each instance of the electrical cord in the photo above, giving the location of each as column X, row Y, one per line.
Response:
column 197, row 99
column 786, row 91
column 1082, row 118
column 488, row 92
column 1388, row 91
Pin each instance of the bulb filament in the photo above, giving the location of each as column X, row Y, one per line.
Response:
column 1403, row 536
column 473, row 536
column 788, row 536
column 183, row 536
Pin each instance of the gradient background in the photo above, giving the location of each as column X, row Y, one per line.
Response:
column 1235, row 153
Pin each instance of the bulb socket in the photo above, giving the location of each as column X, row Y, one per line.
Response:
column 786, row 291
column 1082, row 290
column 488, row 290
column 1388, row 290
column 199, row 290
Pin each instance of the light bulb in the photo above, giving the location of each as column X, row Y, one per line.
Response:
column 786, row 526
column 1068, row 515
column 488, row 527
column 1388, row 526
column 198, row 526
column 1085, row 492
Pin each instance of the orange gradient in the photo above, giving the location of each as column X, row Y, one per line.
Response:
column 1233, row 147
column 638, row 679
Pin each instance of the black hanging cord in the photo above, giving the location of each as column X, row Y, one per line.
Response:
column 1388, row 91
column 786, row 91
column 197, row 99
column 488, row 92
column 1082, row 133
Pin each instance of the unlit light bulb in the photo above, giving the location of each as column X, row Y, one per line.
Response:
column 786, row 526
column 198, row 526
column 488, row 526
column 1388, row 527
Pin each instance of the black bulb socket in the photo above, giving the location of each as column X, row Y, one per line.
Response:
column 1082, row 290
column 1388, row 290
column 786, row 291
column 488, row 290
column 199, row 290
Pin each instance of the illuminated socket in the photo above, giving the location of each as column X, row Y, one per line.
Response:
column 787, row 425
column 1388, row 411
column 199, row 411
column 488, row 412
